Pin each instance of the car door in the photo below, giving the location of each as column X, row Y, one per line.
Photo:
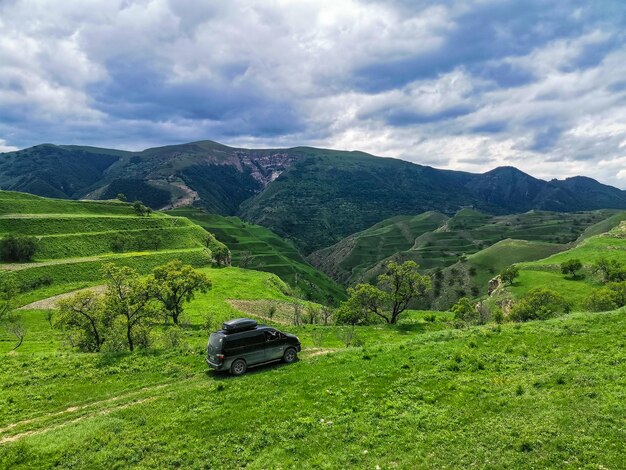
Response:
column 255, row 348
column 274, row 345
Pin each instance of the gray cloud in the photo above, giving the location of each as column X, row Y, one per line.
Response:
column 458, row 84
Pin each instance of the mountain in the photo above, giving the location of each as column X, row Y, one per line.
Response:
column 315, row 197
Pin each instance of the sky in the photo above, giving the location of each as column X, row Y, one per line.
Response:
column 465, row 85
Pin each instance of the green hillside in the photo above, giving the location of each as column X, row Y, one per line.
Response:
column 266, row 251
column 346, row 260
column 546, row 272
column 74, row 238
column 467, row 232
column 542, row 395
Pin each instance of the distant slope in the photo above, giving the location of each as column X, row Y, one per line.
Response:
column 346, row 260
column 316, row 197
column 269, row 253
column 546, row 272
column 74, row 239
column 470, row 231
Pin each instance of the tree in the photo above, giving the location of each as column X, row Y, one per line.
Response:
column 395, row 290
column 141, row 210
column 508, row 275
column 127, row 298
column 17, row 248
column 610, row 270
column 465, row 312
column 9, row 321
column 121, row 197
column 571, row 267
column 609, row 297
column 539, row 304
column 402, row 284
column 84, row 316
column 175, row 283
column 221, row 255
column 245, row 259
column 326, row 314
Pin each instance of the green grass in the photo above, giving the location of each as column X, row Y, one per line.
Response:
column 546, row 272
column 270, row 253
column 538, row 395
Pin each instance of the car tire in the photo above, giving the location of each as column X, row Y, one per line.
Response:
column 238, row 367
column 290, row 356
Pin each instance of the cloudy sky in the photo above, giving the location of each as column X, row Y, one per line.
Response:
column 467, row 84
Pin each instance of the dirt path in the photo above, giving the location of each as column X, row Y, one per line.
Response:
column 51, row 302
column 96, row 408
column 20, row 266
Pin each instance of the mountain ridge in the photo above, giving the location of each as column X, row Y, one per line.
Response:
column 316, row 197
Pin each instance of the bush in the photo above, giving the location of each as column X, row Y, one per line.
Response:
column 17, row 248
column 540, row 304
column 609, row 297
column 571, row 267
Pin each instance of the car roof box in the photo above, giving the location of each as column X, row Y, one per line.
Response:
column 239, row 324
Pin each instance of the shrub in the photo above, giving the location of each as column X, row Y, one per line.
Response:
column 540, row 304
column 609, row 297
column 571, row 267
column 17, row 248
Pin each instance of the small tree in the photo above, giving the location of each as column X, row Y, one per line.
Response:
column 221, row 255
column 571, row 267
column 508, row 275
column 17, row 248
column 10, row 321
column 245, row 259
column 326, row 313
column 465, row 312
column 540, row 304
column 175, row 283
column 121, row 197
column 610, row 270
column 395, row 290
column 83, row 315
column 127, row 299
column 141, row 210
column 312, row 314
column 297, row 314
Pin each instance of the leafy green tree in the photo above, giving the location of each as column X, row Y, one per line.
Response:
column 221, row 255
column 17, row 248
column 175, row 283
column 465, row 312
column 394, row 291
column 571, row 267
column 609, row 297
column 121, row 197
column 9, row 320
column 85, row 318
column 141, row 210
column 610, row 270
column 127, row 299
column 539, row 304
column 508, row 275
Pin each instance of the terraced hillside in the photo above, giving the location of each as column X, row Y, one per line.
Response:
column 466, row 233
column 348, row 259
column 75, row 237
column 261, row 249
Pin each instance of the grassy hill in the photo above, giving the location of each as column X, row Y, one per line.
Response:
column 74, row 238
column 543, row 394
column 448, row 240
column 346, row 260
column 266, row 251
column 546, row 272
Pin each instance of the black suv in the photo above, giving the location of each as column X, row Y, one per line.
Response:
column 242, row 343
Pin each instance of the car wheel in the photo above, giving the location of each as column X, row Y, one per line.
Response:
column 238, row 367
column 290, row 356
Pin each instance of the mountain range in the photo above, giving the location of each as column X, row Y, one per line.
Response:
column 315, row 197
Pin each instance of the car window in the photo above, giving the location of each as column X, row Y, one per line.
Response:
column 271, row 335
column 215, row 342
